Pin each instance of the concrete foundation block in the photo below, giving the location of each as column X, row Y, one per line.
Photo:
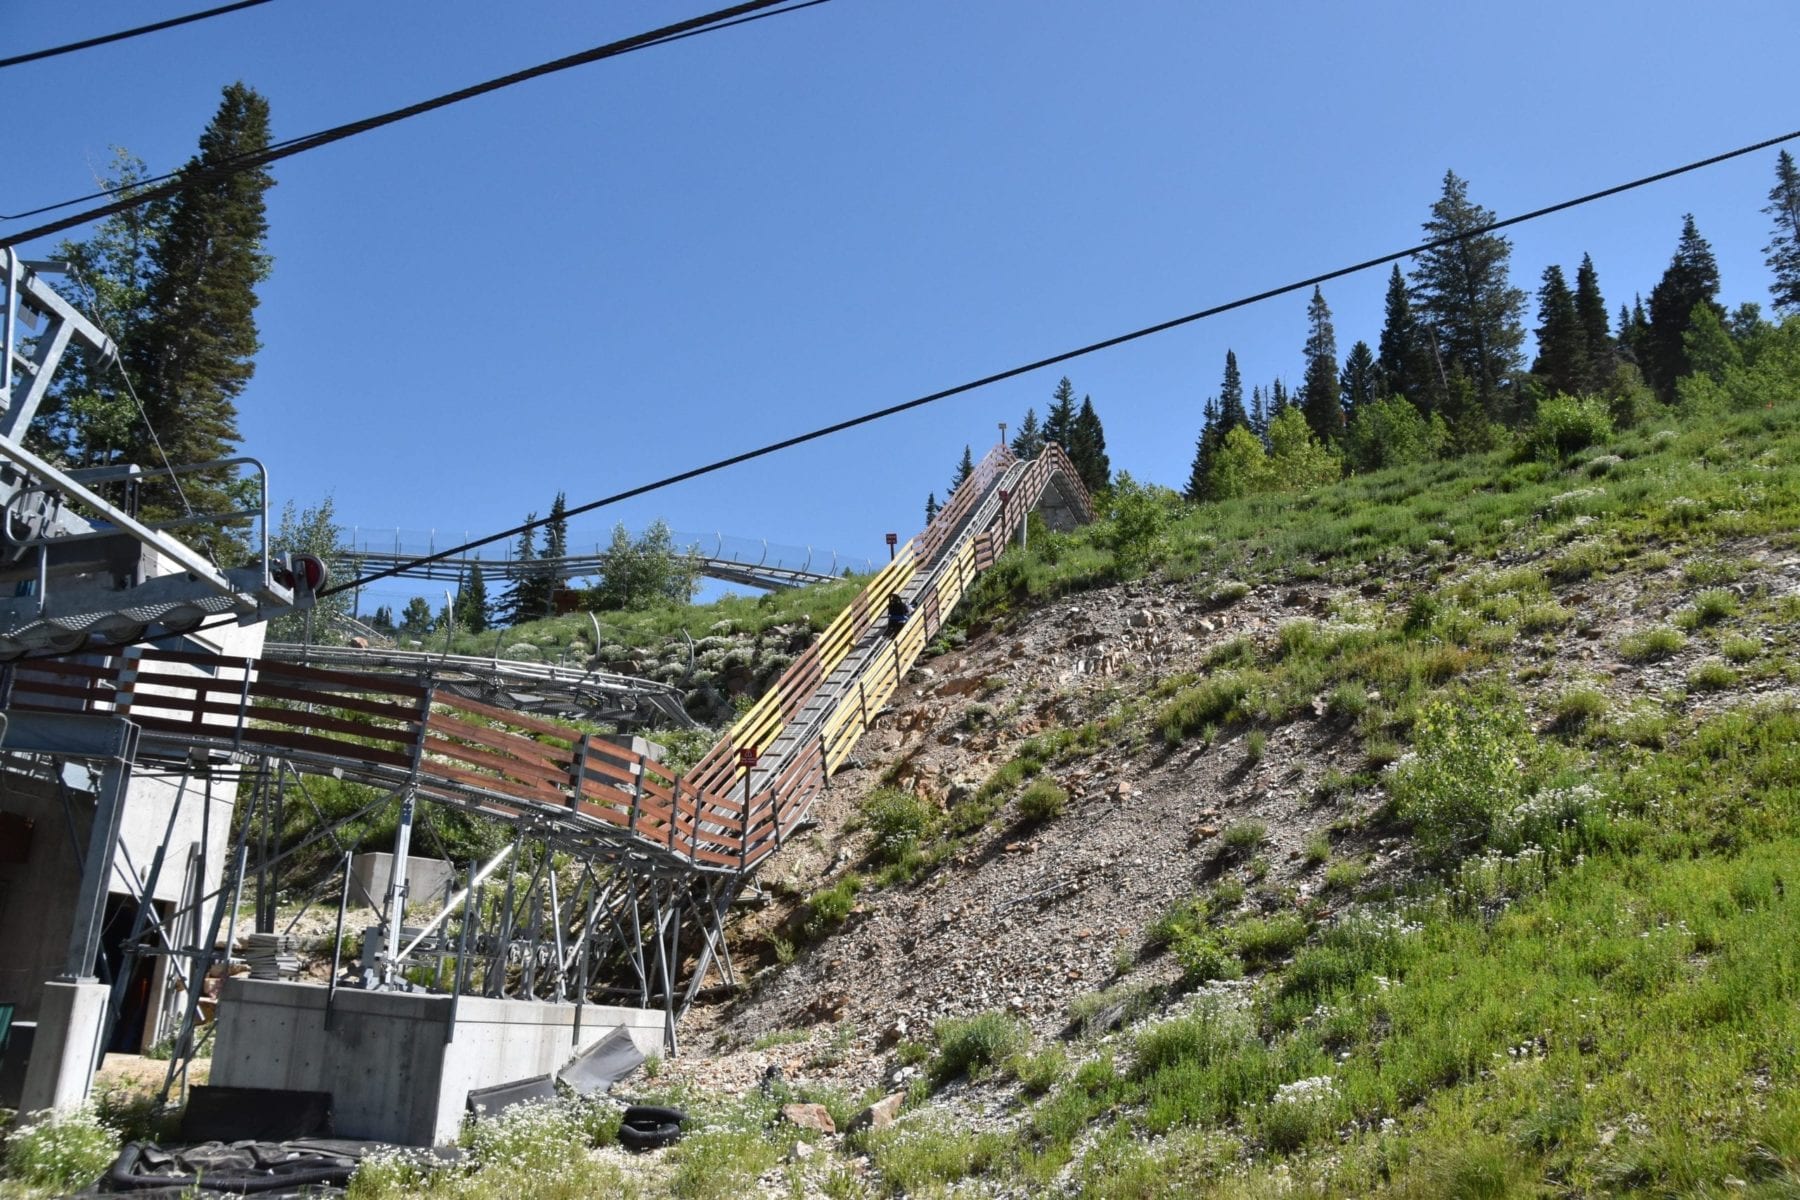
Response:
column 66, row 1050
column 425, row 878
column 396, row 1067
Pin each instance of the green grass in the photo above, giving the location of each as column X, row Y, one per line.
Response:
column 1043, row 800
column 971, row 1044
column 1651, row 645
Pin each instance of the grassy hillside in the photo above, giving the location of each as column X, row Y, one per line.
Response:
column 1489, row 771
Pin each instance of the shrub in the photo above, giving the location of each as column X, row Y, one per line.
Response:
column 1651, row 645
column 968, row 1044
column 1318, row 850
column 1207, row 704
column 1578, row 707
column 828, row 908
column 1040, row 1072
column 1567, row 424
column 61, row 1151
column 1713, row 606
column 1202, row 957
column 1043, row 801
column 1256, row 745
column 1243, row 837
column 1229, row 592
column 1473, row 767
column 1740, row 649
column 1711, row 676
column 1344, row 876
column 1261, row 941
column 898, row 820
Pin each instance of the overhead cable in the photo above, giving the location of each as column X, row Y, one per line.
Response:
column 90, row 43
column 149, row 191
column 1063, row 357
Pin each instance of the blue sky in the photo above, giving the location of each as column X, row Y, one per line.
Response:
column 606, row 276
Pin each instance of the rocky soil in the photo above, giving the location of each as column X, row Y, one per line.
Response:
column 1038, row 915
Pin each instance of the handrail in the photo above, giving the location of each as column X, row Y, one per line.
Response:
column 388, row 729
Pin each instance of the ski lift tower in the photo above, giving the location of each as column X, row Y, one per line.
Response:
column 84, row 576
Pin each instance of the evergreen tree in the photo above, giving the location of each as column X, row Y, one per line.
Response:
column 556, row 528
column 1030, row 439
column 383, row 620
column 1319, row 392
column 471, row 609
column 1403, row 357
column 931, row 507
column 416, row 617
column 1784, row 246
column 1278, row 399
column 1231, row 396
column 516, row 601
column 1691, row 280
column 1206, row 448
column 1259, row 414
column 1087, row 448
column 965, row 467
column 1466, row 297
column 1059, row 425
column 193, row 354
column 1360, row 384
column 1562, row 359
column 1634, row 334
column 1596, row 338
column 88, row 418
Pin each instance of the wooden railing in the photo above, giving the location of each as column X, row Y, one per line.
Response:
column 389, row 731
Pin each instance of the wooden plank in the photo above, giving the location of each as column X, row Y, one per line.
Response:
column 59, row 668
column 492, row 783
column 315, row 721
column 507, row 716
column 514, row 744
column 511, row 768
column 353, row 681
column 88, row 691
column 263, row 689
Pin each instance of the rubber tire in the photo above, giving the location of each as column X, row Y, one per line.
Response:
column 653, row 1114
column 649, row 1137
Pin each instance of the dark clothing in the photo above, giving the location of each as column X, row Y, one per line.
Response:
column 897, row 612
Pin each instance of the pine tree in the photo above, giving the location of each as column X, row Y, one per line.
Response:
column 415, row 618
column 1206, row 448
column 1403, row 355
column 1784, row 246
column 1466, row 298
column 88, row 418
column 516, row 601
column 193, row 355
column 931, row 507
column 1692, row 279
column 1319, row 391
column 965, row 467
column 1360, row 383
column 1562, row 359
column 1278, row 399
column 1087, row 448
column 1634, row 334
column 1259, row 414
column 471, row 608
column 1059, row 425
column 1030, row 439
column 1596, row 337
column 1231, row 396
column 383, row 619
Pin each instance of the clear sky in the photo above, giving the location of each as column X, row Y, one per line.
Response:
column 634, row 267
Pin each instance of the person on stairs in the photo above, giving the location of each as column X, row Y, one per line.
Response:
column 897, row 612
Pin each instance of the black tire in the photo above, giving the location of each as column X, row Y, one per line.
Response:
column 649, row 1137
column 653, row 1114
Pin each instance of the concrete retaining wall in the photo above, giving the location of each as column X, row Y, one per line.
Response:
column 392, row 1075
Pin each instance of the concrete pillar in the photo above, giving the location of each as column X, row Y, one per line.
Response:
column 66, row 1053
